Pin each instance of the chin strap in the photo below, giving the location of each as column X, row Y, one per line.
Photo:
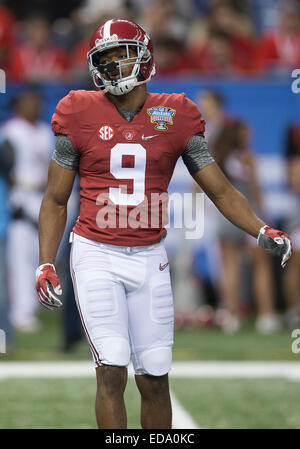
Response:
column 122, row 87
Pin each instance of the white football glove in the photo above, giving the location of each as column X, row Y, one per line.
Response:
column 277, row 242
column 48, row 286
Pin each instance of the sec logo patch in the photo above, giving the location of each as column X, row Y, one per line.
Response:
column 106, row 132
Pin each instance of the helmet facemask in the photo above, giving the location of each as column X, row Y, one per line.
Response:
column 109, row 77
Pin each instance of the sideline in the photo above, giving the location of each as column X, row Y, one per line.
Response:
column 188, row 369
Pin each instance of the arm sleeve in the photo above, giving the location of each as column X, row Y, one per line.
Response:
column 196, row 155
column 65, row 154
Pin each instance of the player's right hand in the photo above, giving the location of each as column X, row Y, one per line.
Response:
column 48, row 286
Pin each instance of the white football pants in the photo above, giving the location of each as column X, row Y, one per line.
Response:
column 125, row 302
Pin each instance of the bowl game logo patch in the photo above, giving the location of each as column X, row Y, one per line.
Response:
column 161, row 116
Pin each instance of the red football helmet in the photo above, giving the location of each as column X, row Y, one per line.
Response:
column 129, row 35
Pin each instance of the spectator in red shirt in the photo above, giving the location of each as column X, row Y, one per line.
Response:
column 227, row 49
column 77, row 68
column 7, row 32
column 213, row 58
column 171, row 58
column 37, row 58
column 278, row 51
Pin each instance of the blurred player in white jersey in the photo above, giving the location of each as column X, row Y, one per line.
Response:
column 124, row 143
column 31, row 139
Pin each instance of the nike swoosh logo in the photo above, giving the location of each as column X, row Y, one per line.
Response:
column 149, row 137
column 162, row 267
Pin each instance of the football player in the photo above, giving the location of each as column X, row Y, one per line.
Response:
column 124, row 143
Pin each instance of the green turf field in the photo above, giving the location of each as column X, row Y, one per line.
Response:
column 212, row 403
column 217, row 403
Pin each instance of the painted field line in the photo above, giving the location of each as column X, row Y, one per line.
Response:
column 237, row 370
column 212, row 370
column 191, row 369
column 181, row 419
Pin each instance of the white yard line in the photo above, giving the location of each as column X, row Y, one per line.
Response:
column 55, row 369
column 181, row 419
column 235, row 370
column 247, row 370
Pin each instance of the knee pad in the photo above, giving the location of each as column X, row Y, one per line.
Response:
column 115, row 351
column 156, row 361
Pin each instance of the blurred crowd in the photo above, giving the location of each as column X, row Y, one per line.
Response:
column 46, row 40
column 233, row 279
column 41, row 41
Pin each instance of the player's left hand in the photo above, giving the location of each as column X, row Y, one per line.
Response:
column 277, row 242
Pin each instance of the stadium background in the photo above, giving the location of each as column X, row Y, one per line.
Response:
column 265, row 101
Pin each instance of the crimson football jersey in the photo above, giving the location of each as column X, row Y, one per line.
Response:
column 125, row 167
